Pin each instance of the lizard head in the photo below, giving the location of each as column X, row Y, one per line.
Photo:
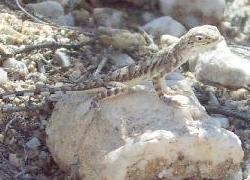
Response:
column 200, row 38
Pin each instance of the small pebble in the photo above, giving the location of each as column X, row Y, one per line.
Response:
column 3, row 76
column 62, row 59
column 121, row 60
column 15, row 67
column 1, row 138
column 33, row 143
column 14, row 160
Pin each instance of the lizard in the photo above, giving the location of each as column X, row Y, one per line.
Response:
column 195, row 41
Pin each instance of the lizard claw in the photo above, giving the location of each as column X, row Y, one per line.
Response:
column 170, row 100
column 95, row 105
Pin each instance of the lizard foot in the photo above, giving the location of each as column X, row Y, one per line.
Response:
column 171, row 100
column 94, row 105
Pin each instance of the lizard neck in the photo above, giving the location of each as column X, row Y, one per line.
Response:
column 171, row 59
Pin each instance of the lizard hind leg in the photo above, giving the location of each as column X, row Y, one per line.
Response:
column 112, row 90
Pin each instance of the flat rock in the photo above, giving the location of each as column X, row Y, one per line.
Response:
column 108, row 17
column 121, row 60
column 54, row 11
column 15, row 67
column 65, row 20
column 3, row 76
column 120, row 38
column 222, row 66
column 192, row 13
column 164, row 25
column 137, row 136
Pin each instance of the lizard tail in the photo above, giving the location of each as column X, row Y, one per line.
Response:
column 47, row 91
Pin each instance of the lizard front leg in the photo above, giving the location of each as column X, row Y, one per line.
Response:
column 163, row 92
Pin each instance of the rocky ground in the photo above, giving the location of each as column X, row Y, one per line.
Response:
column 23, row 147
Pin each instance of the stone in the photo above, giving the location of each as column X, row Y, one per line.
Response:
column 10, row 35
column 81, row 16
column 16, row 68
column 75, row 75
column 54, row 11
column 33, row 143
column 3, row 76
column 236, row 12
column 164, row 25
column 121, row 60
column 137, row 136
column 65, row 20
column 147, row 16
column 108, row 17
column 61, row 58
column 1, row 138
column 14, row 160
column 192, row 13
column 70, row 4
column 222, row 66
column 224, row 122
column 37, row 77
column 120, row 39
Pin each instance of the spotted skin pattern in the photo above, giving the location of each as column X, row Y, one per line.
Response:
column 195, row 41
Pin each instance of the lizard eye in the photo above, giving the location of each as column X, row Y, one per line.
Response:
column 199, row 38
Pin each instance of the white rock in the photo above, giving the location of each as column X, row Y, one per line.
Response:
column 222, row 66
column 223, row 122
column 236, row 13
column 69, row 3
column 3, row 76
column 237, row 176
column 108, row 17
column 137, row 136
column 120, row 38
column 61, row 58
column 148, row 16
column 17, row 68
column 121, row 60
column 247, row 26
column 49, row 9
column 194, row 12
column 164, row 25
column 14, row 160
column 81, row 17
column 65, row 20
column 33, row 143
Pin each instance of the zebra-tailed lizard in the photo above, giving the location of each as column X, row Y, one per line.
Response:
column 195, row 41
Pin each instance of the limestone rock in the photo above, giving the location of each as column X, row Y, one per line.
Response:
column 69, row 3
column 192, row 13
column 222, row 66
column 54, row 11
column 164, row 25
column 17, row 68
column 120, row 38
column 81, row 16
column 11, row 36
column 3, row 76
column 65, row 20
column 121, row 60
column 61, row 59
column 108, row 17
column 33, row 143
column 137, row 136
